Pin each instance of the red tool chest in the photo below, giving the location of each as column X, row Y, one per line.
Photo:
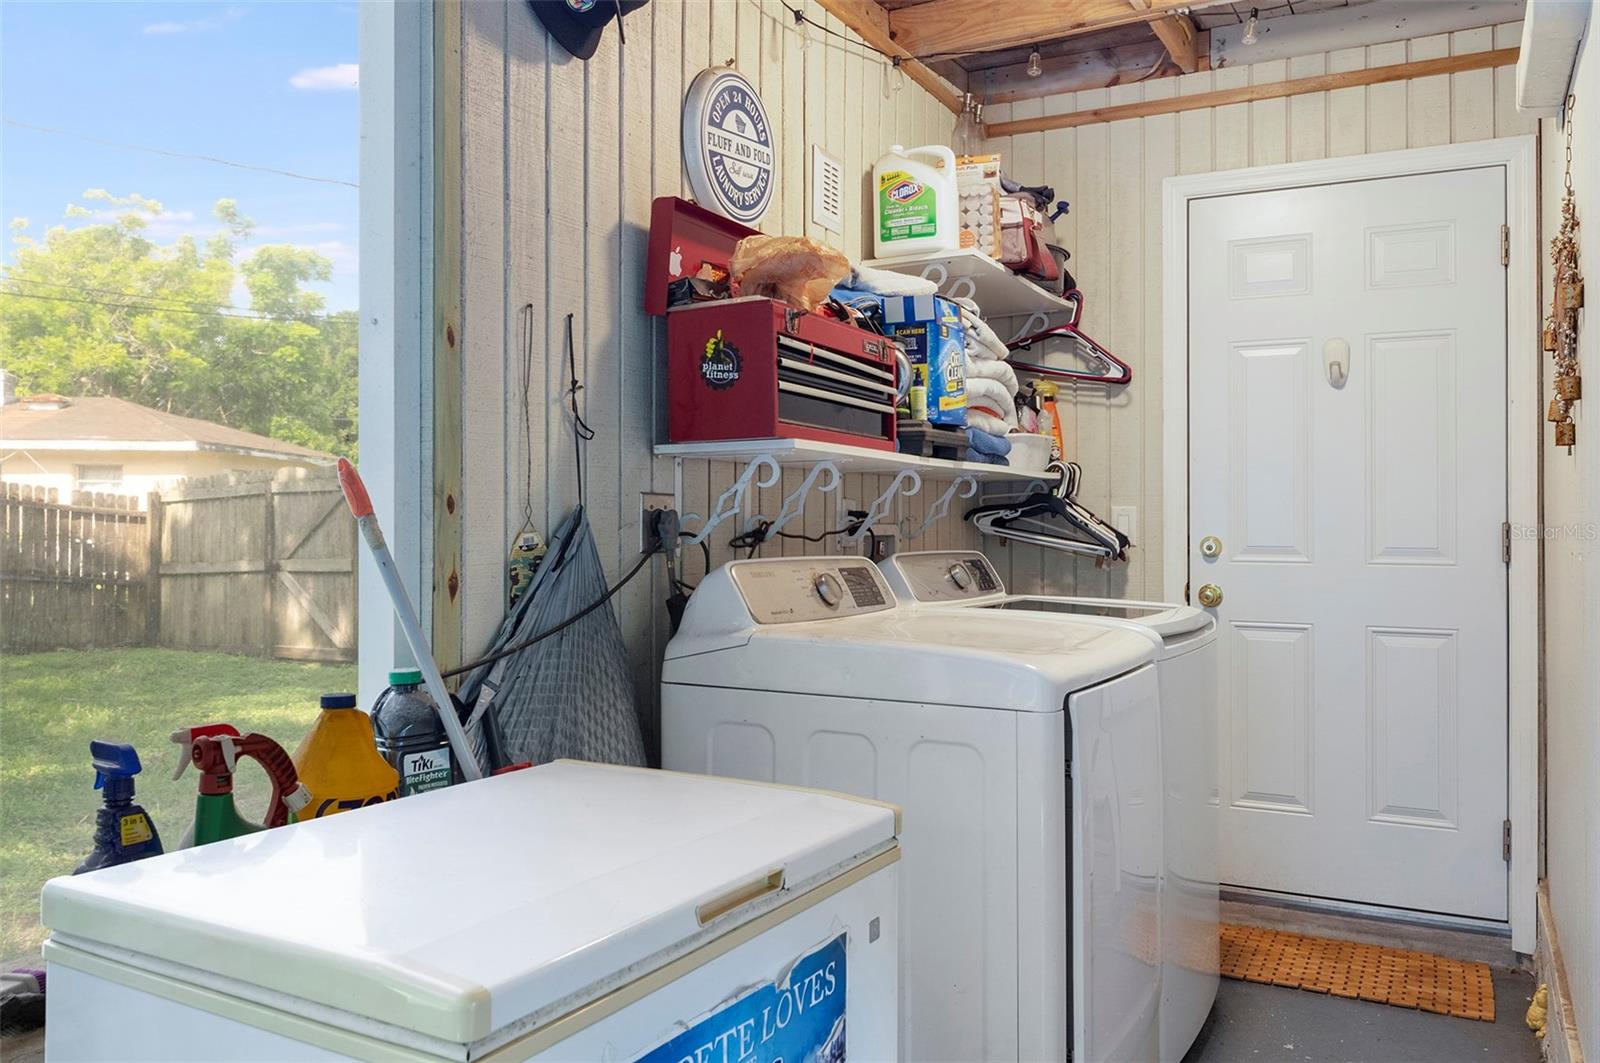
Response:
column 756, row 368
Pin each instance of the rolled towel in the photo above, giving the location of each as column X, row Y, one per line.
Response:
column 982, row 342
column 991, row 396
column 996, row 371
column 986, row 422
column 887, row 282
column 987, row 447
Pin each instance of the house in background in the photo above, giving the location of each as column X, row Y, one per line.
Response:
column 104, row 444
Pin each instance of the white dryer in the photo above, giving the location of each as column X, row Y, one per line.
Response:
column 1032, row 828
column 1187, row 665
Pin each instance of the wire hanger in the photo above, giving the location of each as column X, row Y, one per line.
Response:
column 1108, row 368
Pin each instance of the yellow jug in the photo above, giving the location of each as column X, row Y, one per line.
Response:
column 339, row 761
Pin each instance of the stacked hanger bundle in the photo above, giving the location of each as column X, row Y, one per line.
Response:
column 1052, row 519
column 1106, row 368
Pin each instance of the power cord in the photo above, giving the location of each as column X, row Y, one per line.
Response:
column 638, row 566
column 753, row 539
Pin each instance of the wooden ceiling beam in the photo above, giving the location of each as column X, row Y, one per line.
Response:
column 871, row 23
column 1178, row 35
column 1073, row 72
column 964, row 27
column 1378, row 75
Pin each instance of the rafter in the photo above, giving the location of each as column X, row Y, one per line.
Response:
column 963, row 27
column 1377, row 75
column 871, row 23
column 1177, row 34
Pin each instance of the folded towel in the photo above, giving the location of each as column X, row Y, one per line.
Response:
column 982, row 343
column 987, row 447
column 999, row 372
column 986, row 422
column 991, row 396
column 988, row 442
column 887, row 282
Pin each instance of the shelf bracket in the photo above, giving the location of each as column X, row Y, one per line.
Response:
column 908, row 483
column 967, row 485
column 730, row 503
column 1037, row 322
column 795, row 504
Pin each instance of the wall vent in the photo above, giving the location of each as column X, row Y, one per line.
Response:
column 827, row 191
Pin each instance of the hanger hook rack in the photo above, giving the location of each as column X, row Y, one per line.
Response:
column 906, row 484
column 730, row 503
column 966, row 485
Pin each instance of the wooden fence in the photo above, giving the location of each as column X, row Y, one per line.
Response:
column 75, row 573
column 255, row 563
column 258, row 563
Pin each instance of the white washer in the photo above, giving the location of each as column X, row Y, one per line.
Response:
column 1032, row 832
column 1187, row 665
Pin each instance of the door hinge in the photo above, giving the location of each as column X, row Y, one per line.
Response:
column 1505, row 542
column 1505, row 841
column 1505, row 245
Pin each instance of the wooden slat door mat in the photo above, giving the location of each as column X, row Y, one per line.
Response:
column 1365, row 972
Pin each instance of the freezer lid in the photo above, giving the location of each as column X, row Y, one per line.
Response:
column 456, row 912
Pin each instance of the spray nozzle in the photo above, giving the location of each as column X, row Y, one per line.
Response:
column 113, row 760
column 184, row 738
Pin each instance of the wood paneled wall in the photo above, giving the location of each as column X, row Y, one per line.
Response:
column 1112, row 174
column 561, row 161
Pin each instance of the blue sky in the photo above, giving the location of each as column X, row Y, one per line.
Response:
column 269, row 84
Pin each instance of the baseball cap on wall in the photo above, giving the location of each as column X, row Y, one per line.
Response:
column 577, row 25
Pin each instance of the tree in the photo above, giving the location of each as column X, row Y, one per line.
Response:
column 98, row 308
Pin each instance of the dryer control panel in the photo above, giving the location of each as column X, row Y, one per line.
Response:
column 931, row 577
column 793, row 590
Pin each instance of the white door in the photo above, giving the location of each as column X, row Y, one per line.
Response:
column 1363, row 617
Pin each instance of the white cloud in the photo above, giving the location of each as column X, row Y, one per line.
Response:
column 298, row 229
column 199, row 25
column 337, row 78
column 344, row 257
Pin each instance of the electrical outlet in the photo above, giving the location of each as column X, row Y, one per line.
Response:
column 1126, row 520
column 651, row 502
column 841, row 544
column 886, row 545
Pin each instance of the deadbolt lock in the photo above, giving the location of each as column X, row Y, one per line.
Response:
column 1211, row 546
column 1210, row 595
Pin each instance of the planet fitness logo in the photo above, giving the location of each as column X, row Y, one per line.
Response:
column 732, row 157
column 721, row 364
column 905, row 191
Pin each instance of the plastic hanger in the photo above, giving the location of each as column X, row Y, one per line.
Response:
column 1110, row 369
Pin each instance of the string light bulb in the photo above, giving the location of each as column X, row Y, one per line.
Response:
column 800, row 24
column 1035, row 67
column 1250, row 28
column 897, row 79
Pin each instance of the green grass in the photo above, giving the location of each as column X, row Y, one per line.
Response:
column 52, row 704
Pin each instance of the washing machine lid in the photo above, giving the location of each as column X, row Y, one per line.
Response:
column 1164, row 618
column 458, row 911
column 757, row 628
column 967, row 578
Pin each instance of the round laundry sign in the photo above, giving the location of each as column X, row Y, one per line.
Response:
column 727, row 145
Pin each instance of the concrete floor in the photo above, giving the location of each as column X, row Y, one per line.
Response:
column 1271, row 1024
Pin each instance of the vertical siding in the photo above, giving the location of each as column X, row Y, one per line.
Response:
column 1112, row 175
column 562, row 159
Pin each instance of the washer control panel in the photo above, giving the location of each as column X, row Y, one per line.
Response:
column 797, row 589
column 945, row 576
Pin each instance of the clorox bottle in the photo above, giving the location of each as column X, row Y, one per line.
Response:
column 339, row 761
column 916, row 210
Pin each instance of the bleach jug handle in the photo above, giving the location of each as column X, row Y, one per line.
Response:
column 942, row 152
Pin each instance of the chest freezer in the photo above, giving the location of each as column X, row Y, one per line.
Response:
column 571, row 911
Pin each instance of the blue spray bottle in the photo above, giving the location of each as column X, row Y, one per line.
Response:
column 122, row 830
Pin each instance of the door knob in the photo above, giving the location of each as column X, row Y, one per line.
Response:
column 1210, row 546
column 1210, row 595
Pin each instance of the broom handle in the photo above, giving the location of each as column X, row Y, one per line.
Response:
column 355, row 495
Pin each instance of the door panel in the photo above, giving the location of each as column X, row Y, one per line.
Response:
column 1363, row 619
